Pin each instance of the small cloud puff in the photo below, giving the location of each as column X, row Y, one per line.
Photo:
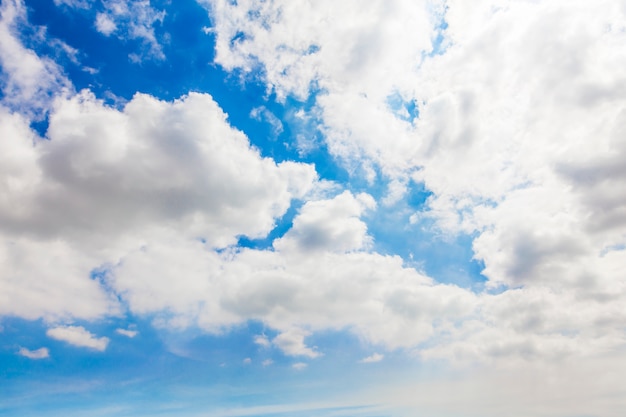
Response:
column 299, row 366
column 262, row 340
column 292, row 343
column 127, row 333
column 78, row 336
column 41, row 353
column 376, row 357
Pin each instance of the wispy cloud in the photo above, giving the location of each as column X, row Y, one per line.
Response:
column 299, row 366
column 127, row 333
column 376, row 357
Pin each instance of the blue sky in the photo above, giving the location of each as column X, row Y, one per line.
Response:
column 291, row 208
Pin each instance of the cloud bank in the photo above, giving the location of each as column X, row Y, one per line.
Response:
column 510, row 113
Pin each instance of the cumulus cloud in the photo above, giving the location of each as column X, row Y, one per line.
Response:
column 78, row 336
column 292, row 343
column 517, row 130
column 107, row 182
column 519, row 138
column 354, row 78
column 292, row 289
column 41, row 353
column 332, row 224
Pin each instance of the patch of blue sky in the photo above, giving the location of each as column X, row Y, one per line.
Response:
column 106, row 70
column 168, row 372
column 440, row 43
column 282, row 226
column 448, row 259
column 406, row 110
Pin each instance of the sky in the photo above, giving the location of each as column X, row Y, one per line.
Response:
column 392, row 208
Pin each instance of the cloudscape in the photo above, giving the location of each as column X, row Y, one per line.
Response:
column 392, row 208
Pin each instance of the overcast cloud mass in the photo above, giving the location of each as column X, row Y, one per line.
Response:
column 297, row 208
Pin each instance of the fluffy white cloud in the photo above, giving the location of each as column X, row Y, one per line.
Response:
column 520, row 138
column 292, row 343
column 332, row 224
column 28, row 81
column 293, row 289
column 78, row 336
column 107, row 182
column 41, row 353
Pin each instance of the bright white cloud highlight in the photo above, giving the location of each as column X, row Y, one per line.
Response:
column 78, row 336
column 292, row 343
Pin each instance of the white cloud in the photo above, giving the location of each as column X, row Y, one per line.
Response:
column 330, row 225
column 98, row 204
column 134, row 19
column 247, row 361
column 79, row 4
column 41, row 353
column 295, row 291
column 78, row 336
column 127, row 333
column 262, row 340
column 376, row 357
column 520, row 138
column 292, row 343
column 267, row 362
column 28, row 81
column 105, row 24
